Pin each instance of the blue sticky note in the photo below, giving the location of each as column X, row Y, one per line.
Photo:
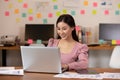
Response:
column 55, row 7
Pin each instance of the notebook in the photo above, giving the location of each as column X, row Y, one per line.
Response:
column 41, row 59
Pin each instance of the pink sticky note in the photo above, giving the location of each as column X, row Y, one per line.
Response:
column 77, row 28
column 106, row 12
column 30, row 18
column 118, row 41
column 95, row 4
column 82, row 12
column 7, row 13
column 25, row 5
column 30, row 41
column 50, row 15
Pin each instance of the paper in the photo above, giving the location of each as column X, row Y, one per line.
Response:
column 77, row 75
column 7, row 68
column 11, row 71
column 111, row 75
column 104, row 75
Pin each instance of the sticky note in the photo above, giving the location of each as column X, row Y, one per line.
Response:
column 7, row 13
column 55, row 7
column 17, row 19
column 30, row 18
column 10, row 5
column 118, row 41
column 39, row 15
column 95, row 4
column 117, row 12
column 101, row 41
column 16, row 11
column 58, row 13
column 45, row 21
column 106, row 12
column 64, row 11
column 30, row 11
column 24, row 14
column 25, row 5
column 20, row 1
column 82, row 12
column 54, row 0
column 73, row 12
column 50, row 15
column 85, row 3
column 113, row 41
column 77, row 28
column 38, row 41
column 119, row 5
column 30, row 41
column 94, row 12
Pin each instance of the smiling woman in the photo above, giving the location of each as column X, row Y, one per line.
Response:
column 74, row 55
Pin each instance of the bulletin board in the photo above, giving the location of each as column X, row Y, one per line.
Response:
column 14, row 14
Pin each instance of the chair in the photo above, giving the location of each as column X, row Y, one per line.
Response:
column 115, row 58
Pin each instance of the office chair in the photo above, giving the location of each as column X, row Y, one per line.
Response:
column 115, row 58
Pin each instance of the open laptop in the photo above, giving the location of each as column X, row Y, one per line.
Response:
column 41, row 59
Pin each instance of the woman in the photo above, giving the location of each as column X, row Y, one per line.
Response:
column 74, row 55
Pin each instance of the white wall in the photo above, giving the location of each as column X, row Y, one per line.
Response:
column 14, row 23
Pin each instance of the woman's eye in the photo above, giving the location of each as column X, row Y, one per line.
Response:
column 64, row 28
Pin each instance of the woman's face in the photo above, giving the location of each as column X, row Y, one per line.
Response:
column 64, row 30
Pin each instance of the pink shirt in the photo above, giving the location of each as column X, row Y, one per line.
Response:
column 76, row 59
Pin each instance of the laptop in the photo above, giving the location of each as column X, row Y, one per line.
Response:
column 41, row 59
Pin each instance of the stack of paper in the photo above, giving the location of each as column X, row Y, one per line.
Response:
column 11, row 71
column 77, row 75
column 111, row 75
column 89, row 76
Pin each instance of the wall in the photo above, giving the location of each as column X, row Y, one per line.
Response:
column 14, row 14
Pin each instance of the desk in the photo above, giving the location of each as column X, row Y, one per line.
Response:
column 101, row 47
column 4, row 50
column 45, row 76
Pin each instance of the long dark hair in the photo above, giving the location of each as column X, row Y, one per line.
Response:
column 68, row 19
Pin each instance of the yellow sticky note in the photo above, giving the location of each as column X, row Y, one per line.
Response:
column 17, row 19
column 113, row 41
column 64, row 11
column 10, row 5
column 94, row 12
column 54, row 0
column 119, row 5
column 30, row 11
column 20, row 0
column 58, row 13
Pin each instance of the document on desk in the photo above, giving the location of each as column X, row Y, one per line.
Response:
column 77, row 75
column 104, row 75
column 111, row 75
column 11, row 71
